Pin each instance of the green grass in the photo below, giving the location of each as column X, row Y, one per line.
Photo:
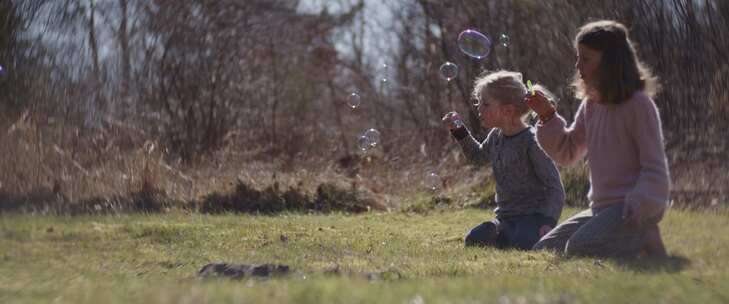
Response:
column 155, row 258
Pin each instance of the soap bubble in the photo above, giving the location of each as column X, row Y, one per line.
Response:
column 474, row 44
column 2, row 71
column 363, row 143
column 354, row 100
column 504, row 40
column 385, row 74
column 373, row 137
column 433, row 181
column 448, row 71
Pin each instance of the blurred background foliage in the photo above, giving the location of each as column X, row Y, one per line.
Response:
column 101, row 97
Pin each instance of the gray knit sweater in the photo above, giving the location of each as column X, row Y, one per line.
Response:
column 527, row 181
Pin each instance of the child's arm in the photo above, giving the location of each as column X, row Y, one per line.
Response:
column 549, row 176
column 650, row 194
column 564, row 145
column 477, row 153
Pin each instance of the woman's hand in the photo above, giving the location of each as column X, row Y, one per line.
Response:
column 452, row 121
column 634, row 212
column 539, row 104
column 631, row 213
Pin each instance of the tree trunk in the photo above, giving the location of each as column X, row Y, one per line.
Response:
column 124, row 45
column 96, row 81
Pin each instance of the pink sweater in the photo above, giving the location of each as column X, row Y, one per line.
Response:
column 626, row 152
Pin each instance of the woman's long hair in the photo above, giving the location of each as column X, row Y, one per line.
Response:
column 620, row 73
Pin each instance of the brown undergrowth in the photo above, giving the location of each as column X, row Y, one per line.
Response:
column 66, row 170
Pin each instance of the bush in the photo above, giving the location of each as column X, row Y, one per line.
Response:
column 576, row 182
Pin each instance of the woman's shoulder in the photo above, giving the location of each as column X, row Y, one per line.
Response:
column 639, row 99
column 640, row 108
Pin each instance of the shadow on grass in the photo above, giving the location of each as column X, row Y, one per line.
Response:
column 669, row 264
column 649, row 265
column 47, row 201
column 243, row 198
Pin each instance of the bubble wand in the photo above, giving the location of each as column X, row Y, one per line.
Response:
column 531, row 88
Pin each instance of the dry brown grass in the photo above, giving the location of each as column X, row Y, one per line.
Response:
column 62, row 168
column 59, row 168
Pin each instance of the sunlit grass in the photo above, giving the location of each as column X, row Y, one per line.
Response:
column 155, row 259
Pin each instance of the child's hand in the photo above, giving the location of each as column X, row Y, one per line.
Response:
column 452, row 121
column 544, row 230
column 539, row 103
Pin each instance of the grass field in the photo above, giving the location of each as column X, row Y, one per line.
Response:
column 369, row 258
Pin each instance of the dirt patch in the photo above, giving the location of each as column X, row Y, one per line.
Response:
column 328, row 198
column 240, row 271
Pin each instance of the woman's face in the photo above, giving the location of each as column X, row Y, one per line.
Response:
column 588, row 63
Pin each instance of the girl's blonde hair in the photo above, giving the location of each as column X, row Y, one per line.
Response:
column 621, row 73
column 507, row 88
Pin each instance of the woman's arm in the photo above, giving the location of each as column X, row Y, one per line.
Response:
column 649, row 197
column 564, row 145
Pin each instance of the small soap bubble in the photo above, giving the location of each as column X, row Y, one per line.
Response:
column 433, row 181
column 363, row 143
column 373, row 137
column 385, row 75
column 474, row 44
column 504, row 40
column 354, row 100
column 449, row 71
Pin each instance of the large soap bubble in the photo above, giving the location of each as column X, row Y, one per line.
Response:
column 474, row 44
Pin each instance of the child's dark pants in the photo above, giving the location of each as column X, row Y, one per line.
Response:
column 520, row 232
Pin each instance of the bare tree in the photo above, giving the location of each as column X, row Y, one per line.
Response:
column 123, row 34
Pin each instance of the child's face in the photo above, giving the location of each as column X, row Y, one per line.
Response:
column 490, row 112
column 588, row 63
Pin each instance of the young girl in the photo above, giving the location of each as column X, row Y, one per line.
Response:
column 529, row 193
column 618, row 127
